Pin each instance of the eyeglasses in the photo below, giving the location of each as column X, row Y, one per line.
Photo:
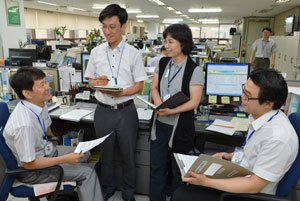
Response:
column 246, row 96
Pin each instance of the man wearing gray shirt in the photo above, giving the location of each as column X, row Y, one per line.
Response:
column 263, row 49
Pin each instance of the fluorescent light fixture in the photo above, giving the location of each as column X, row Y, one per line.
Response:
column 183, row 15
column 147, row 16
column 74, row 8
column 209, row 20
column 170, row 8
column 141, row 21
column 101, row 6
column 133, row 11
column 206, row 10
column 178, row 12
column 212, row 22
column 173, row 19
column 170, row 22
column 160, row 3
column 47, row 3
column 282, row 1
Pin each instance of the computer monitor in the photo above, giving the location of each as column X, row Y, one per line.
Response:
column 85, row 56
column 63, row 47
column 22, row 57
column 200, row 47
column 44, row 52
column 226, row 79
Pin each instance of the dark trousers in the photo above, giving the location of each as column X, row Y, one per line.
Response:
column 124, row 123
column 201, row 193
column 158, row 162
column 261, row 63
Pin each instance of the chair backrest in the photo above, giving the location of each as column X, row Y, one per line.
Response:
column 286, row 184
column 7, row 159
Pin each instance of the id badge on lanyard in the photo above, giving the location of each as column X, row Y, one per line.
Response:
column 238, row 155
column 48, row 148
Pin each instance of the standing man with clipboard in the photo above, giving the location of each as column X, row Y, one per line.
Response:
column 116, row 64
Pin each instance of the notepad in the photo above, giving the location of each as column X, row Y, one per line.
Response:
column 224, row 127
column 108, row 88
column 75, row 115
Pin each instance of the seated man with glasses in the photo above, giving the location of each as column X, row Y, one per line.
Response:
column 270, row 147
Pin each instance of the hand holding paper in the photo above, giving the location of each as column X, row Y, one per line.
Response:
column 83, row 147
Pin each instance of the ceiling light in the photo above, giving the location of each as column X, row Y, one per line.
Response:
column 141, row 21
column 74, row 8
column 183, row 15
column 133, row 11
column 51, row 4
column 173, row 19
column 209, row 20
column 170, row 8
column 160, row 3
column 205, row 10
column 170, row 22
column 147, row 16
column 204, row 22
column 178, row 12
column 282, row 1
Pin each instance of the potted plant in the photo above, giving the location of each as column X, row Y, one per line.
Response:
column 93, row 39
column 60, row 31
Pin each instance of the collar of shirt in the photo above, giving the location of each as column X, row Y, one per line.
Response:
column 256, row 124
column 180, row 64
column 118, row 48
column 265, row 40
column 37, row 109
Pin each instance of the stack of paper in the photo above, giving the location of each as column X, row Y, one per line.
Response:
column 75, row 115
column 224, row 127
column 83, row 147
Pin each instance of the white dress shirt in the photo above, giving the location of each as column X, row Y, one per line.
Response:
column 264, row 49
column 131, row 69
column 272, row 149
column 24, row 133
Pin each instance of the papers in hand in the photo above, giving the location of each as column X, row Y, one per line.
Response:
column 75, row 115
column 83, row 147
column 209, row 166
column 224, row 127
column 107, row 88
column 174, row 101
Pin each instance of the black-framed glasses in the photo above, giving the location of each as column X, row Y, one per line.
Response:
column 247, row 97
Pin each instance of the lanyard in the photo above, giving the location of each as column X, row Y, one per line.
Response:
column 169, row 81
column 247, row 139
column 37, row 116
column 115, row 77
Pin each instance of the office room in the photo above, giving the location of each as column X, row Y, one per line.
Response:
column 149, row 100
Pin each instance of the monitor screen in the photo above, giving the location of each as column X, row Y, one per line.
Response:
column 289, row 24
column 200, row 47
column 85, row 56
column 226, row 79
column 44, row 52
column 22, row 57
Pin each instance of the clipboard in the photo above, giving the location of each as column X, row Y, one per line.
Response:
column 107, row 88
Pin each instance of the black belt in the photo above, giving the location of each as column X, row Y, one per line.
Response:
column 261, row 58
column 117, row 106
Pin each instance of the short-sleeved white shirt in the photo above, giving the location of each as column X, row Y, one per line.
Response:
column 23, row 132
column 131, row 69
column 264, row 49
column 272, row 149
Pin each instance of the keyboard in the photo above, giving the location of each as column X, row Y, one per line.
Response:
column 222, row 117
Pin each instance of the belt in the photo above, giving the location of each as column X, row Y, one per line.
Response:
column 117, row 106
column 262, row 58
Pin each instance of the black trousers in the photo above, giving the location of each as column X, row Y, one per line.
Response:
column 124, row 123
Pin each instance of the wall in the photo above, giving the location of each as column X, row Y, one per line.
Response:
column 279, row 22
column 10, row 35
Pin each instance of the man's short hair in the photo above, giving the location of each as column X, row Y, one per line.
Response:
column 272, row 86
column 183, row 34
column 268, row 29
column 24, row 79
column 114, row 10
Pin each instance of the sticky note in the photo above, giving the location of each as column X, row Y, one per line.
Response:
column 212, row 99
column 236, row 98
column 225, row 100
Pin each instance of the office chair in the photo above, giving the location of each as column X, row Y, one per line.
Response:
column 9, row 168
column 286, row 189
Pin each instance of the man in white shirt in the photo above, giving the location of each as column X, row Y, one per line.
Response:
column 269, row 150
column 263, row 48
column 26, row 134
column 115, row 63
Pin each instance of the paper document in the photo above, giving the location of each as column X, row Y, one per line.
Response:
column 144, row 114
column 209, row 166
column 75, row 115
column 108, row 88
column 224, row 127
column 41, row 189
column 83, row 147
column 242, row 123
column 67, row 78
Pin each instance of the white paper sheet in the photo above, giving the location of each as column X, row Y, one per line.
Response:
column 75, row 115
column 224, row 127
column 187, row 161
column 83, row 147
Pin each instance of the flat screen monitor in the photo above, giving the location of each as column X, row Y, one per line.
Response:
column 289, row 24
column 44, row 52
column 226, row 79
column 85, row 56
column 22, row 57
column 200, row 47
